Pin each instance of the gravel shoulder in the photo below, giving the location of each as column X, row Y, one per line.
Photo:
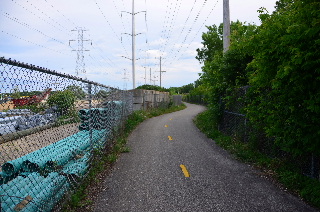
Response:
column 27, row 144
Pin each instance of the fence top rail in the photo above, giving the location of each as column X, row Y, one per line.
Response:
column 48, row 71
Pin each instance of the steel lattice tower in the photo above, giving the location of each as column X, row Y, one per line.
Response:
column 80, row 66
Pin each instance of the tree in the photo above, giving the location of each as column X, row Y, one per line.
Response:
column 64, row 100
column 153, row 87
column 187, row 88
column 102, row 94
column 285, row 76
column 224, row 73
column 235, row 61
column 16, row 93
column 77, row 91
column 212, row 43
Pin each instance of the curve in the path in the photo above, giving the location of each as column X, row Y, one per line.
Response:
column 153, row 176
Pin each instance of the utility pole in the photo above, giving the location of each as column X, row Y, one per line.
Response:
column 150, row 76
column 125, row 79
column 133, row 44
column 226, row 25
column 145, row 75
column 80, row 67
column 154, row 81
column 161, row 71
column 133, row 48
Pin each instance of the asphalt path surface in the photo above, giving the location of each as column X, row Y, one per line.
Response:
column 150, row 177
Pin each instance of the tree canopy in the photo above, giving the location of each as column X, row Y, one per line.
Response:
column 77, row 91
column 279, row 62
column 152, row 87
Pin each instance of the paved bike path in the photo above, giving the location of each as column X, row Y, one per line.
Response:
column 150, row 176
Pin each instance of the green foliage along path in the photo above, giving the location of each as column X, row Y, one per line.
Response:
column 279, row 64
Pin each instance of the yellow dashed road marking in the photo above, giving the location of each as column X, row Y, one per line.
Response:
column 165, row 125
column 184, row 170
column 170, row 138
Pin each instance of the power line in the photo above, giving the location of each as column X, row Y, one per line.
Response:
column 184, row 25
column 172, row 23
column 62, row 14
column 133, row 35
column 31, row 42
column 209, row 15
column 7, row 15
column 40, row 17
column 111, row 27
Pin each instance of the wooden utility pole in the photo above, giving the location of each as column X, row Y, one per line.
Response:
column 226, row 25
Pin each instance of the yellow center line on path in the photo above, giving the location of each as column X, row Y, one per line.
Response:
column 170, row 138
column 184, row 170
column 165, row 125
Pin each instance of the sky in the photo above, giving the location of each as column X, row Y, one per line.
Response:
column 48, row 33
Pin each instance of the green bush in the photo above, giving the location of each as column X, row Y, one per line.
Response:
column 64, row 100
column 285, row 93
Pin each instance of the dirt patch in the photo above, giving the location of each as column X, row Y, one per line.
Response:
column 6, row 106
column 27, row 144
column 84, row 104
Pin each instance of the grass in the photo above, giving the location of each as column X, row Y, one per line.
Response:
column 103, row 159
column 280, row 169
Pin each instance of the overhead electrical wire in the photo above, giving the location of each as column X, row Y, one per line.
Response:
column 209, row 15
column 171, row 43
column 120, row 15
column 7, row 15
column 184, row 26
column 99, row 58
column 172, row 23
column 75, row 25
column 31, row 42
column 93, row 58
column 44, row 14
column 111, row 27
column 58, row 27
column 189, row 31
column 165, row 24
column 39, row 17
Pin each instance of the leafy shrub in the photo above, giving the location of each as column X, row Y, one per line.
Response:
column 64, row 100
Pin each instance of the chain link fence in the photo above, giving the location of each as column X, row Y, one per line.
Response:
column 50, row 125
column 196, row 99
column 235, row 124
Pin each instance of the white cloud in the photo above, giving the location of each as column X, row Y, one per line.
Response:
column 155, row 53
column 27, row 36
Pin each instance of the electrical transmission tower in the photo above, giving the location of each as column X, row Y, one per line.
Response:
column 125, row 78
column 133, row 34
column 80, row 67
column 161, row 71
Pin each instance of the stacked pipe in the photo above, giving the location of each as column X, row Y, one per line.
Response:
column 33, row 192
column 101, row 118
column 66, row 161
column 91, row 117
column 75, row 169
column 16, row 112
column 54, row 155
